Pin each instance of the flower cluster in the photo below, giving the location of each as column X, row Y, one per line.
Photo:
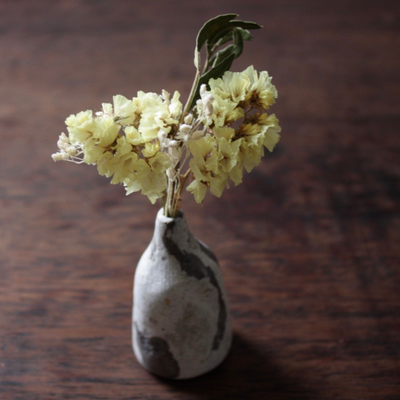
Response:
column 154, row 145
column 144, row 144
column 234, row 114
column 125, row 140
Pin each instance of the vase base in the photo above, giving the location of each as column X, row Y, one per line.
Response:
column 154, row 355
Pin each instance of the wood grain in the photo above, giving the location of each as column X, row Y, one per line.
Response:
column 308, row 244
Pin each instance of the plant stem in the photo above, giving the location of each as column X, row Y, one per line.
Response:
column 191, row 96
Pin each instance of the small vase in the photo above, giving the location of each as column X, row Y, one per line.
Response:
column 181, row 326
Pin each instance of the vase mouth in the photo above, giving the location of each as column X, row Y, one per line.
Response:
column 166, row 220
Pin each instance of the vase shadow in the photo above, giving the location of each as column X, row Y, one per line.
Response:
column 245, row 374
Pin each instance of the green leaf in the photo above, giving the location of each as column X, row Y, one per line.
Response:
column 233, row 49
column 246, row 35
column 210, row 27
column 224, row 31
column 238, row 40
column 221, row 55
column 218, row 70
column 220, row 30
column 227, row 38
column 245, row 24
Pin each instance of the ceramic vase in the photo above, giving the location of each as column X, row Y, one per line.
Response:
column 181, row 326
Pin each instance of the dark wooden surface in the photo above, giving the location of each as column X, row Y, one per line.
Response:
column 308, row 245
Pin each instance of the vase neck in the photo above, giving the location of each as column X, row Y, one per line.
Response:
column 175, row 228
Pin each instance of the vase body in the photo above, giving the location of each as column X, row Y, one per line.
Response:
column 181, row 326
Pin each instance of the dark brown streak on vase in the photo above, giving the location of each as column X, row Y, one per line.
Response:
column 193, row 266
column 157, row 356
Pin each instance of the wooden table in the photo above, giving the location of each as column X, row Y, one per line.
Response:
column 308, row 244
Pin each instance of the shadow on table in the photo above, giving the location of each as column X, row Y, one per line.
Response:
column 245, row 374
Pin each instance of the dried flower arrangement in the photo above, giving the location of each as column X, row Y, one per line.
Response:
column 153, row 144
